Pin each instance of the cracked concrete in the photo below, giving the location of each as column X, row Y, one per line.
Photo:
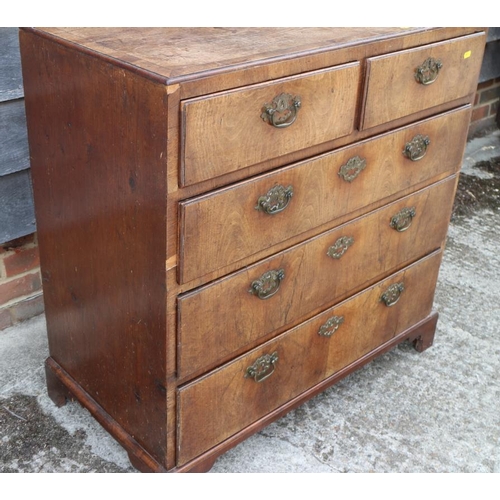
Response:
column 437, row 411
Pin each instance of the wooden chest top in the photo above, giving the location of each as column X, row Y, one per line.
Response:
column 179, row 54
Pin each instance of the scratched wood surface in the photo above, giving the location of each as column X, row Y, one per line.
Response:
column 392, row 90
column 226, row 132
column 101, row 212
column 223, row 227
column 178, row 51
column 235, row 319
column 220, row 404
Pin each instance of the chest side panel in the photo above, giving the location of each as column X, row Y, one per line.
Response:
column 96, row 137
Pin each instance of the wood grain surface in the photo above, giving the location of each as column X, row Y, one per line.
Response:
column 97, row 134
column 392, row 90
column 226, row 132
column 234, row 319
column 146, row 177
column 223, row 227
column 225, row 401
column 175, row 52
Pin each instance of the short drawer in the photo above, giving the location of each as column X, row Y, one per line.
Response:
column 236, row 311
column 233, row 130
column 227, row 400
column 409, row 81
column 230, row 224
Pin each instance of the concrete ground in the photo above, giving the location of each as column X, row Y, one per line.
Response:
column 438, row 411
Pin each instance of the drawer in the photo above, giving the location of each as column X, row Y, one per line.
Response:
column 232, row 130
column 405, row 82
column 224, row 227
column 299, row 281
column 227, row 400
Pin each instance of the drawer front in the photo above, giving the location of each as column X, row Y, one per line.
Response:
column 224, row 402
column 233, row 130
column 238, row 310
column 409, row 81
column 224, row 227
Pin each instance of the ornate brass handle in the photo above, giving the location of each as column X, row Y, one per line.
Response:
column 352, row 168
column 340, row 247
column 428, row 71
column 331, row 326
column 276, row 200
column 282, row 112
column 268, row 284
column 415, row 149
column 392, row 295
column 263, row 367
column 403, row 219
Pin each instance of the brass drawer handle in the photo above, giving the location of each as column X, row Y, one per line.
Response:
column 403, row 219
column 331, row 326
column 392, row 295
column 340, row 247
column 428, row 71
column 263, row 367
column 268, row 284
column 282, row 112
column 276, row 200
column 415, row 149
column 352, row 168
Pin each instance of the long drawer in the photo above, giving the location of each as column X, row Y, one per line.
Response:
column 233, row 130
column 403, row 83
column 231, row 224
column 235, row 311
column 227, row 400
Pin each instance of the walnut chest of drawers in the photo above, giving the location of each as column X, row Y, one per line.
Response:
column 231, row 220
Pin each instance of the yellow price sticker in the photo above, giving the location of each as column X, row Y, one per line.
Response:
column 467, row 54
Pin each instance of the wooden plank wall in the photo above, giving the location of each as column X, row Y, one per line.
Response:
column 17, row 217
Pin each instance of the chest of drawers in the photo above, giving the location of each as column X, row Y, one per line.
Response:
column 231, row 220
